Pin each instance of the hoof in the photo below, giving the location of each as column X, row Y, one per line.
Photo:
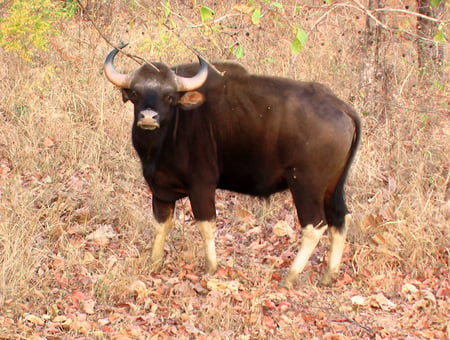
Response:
column 287, row 284
column 328, row 279
column 155, row 265
column 211, row 270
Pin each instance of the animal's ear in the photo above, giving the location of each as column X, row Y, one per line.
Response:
column 191, row 100
column 126, row 95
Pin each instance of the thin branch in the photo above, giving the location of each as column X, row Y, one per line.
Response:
column 216, row 21
column 137, row 59
column 390, row 29
column 404, row 11
column 195, row 51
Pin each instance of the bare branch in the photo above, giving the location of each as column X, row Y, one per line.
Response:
column 390, row 29
column 195, row 51
column 137, row 59
column 404, row 11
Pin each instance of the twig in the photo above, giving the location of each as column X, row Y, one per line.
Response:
column 404, row 11
column 194, row 50
column 137, row 59
column 379, row 23
column 215, row 21
column 367, row 329
column 323, row 16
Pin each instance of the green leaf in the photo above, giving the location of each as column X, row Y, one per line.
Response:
column 435, row 3
column 296, row 46
column 256, row 16
column 206, row 13
column 301, row 36
column 30, row 23
column 439, row 37
column 239, row 52
column 300, row 39
column 278, row 5
column 166, row 5
column 329, row 2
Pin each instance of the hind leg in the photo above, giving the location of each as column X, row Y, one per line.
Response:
column 311, row 236
column 336, row 211
column 311, row 214
column 335, row 255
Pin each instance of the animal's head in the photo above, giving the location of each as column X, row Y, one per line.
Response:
column 156, row 89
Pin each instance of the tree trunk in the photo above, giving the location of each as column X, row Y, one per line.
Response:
column 373, row 76
column 430, row 54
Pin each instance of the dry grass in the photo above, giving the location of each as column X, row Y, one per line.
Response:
column 67, row 168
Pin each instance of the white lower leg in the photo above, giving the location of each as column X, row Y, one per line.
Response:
column 311, row 237
column 161, row 229
column 335, row 256
column 208, row 232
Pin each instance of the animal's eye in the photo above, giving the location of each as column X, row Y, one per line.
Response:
column 169, row 98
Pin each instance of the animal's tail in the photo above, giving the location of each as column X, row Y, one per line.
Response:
column 338, row 196
column 356, row 139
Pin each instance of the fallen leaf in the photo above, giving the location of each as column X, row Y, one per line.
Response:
column 78, row 296
column 378, row 239
column 333, row 336
column 192, row 277
column 284, row 306
column 35, row 320
column 244, row 216
column 115, row 317
column 191, row 329
column 358, row 300
column 243, row 8
column 88, row 257
column 427, row 295
column 59, row 319
column 103, row 322
column 269, row 322
column 48, row 142
column 383, row 302
column 370, row 221
column 269, row 304
column 282, row 228
column 409, row 289
column 227, row 287
column 139, row 289
column 443, row 292
column 258, row 245
column 67, row 324
column 88, row 306
column 102, row 235
column 81, row 215
column 422, row 323
column 276, row 276
column 237, row 296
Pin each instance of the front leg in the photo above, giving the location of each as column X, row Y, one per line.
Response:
column 203, row 207
column 163, row 212
column 208, row 232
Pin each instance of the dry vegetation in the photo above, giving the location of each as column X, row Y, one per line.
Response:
column 75, row 213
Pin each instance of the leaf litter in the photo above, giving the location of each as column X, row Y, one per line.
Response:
column 181, row 301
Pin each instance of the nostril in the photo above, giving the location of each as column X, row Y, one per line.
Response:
column 148, row 116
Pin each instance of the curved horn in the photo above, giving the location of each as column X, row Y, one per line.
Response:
column 118, row 79
column 193, row 83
